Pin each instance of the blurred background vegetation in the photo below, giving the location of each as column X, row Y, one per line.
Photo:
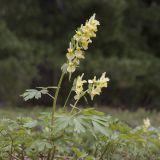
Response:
column 34, row 36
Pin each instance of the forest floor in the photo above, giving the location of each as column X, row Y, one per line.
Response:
column 131, row 118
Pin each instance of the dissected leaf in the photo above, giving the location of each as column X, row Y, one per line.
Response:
column 33, row 93
column 31, row 124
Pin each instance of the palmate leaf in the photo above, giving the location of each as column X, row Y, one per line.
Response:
column 39, row 146
column 31, row 124
column 98, row 124
column 64, row 122
column 83, row 123
column 78, row 125
column 99, row 128
column 33, row 93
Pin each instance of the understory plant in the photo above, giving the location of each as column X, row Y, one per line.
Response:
column 71, row 132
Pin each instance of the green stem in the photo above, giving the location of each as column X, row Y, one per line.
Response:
column 50, row 96
column 74, row 105
column 96, row 149
column 67, row 99
column 56, row 96
column 53, row 153
column 105, row 150
column 49, row 154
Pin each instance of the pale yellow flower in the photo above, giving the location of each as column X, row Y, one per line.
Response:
column 85, row 29
column 70, row 55
column 146, row 123
column 93, row 20
column 80, row 82
column 79, row 86
column 77, row 36
column 95, row 86
column 70, row 49
column 91, row 81
column 103, row 81
column 84, row 43
column 71, row 67
column 94, row 92
column 80, row 42
column 92, row 29
column 79, row 53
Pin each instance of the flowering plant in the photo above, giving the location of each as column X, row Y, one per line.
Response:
column 76, row 51
column 80, row 134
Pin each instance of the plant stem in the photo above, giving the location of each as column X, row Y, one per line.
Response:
column 53, row 153
column 74, row 105
column 56, row 96
column 67, row 98
column 15, row 157
column 95, row 152
column 49, row 155
column 11, row 150
column 50, row 96
column 105, row 150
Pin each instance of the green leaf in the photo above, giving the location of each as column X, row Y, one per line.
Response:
column 99, row 128
column 40, row 146
column 33, row 93
column 62, row 121
column 31, row 124
column 78, row 126
column 79, row 153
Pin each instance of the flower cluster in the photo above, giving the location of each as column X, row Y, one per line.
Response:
column 94, row 88
column 79, row 43
column 78, row 86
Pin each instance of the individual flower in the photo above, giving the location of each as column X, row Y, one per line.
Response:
column 70, row 54
column 79, row 53
column 78, row 86
column 77, row 36
column 103, row 81
column 95, row 91
column 80, row 42
column 71, row 67
column 84, row 43
column 92, row 81
column 146, row 123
